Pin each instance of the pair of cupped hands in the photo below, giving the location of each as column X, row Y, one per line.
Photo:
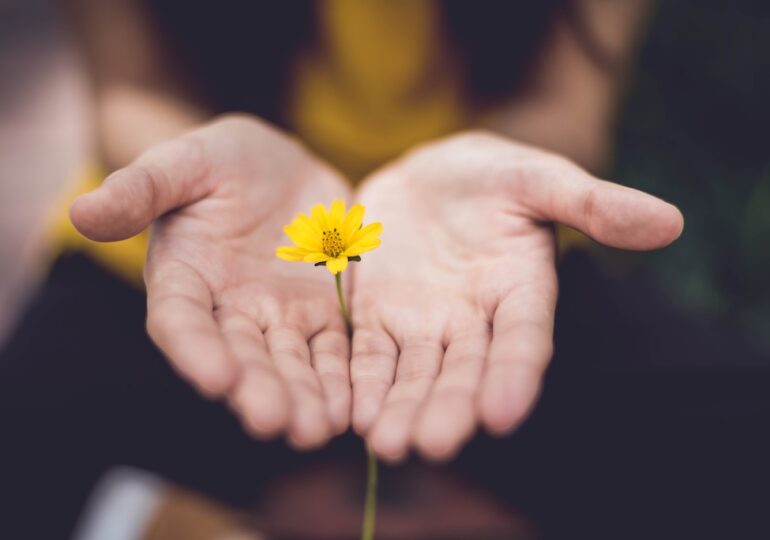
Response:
column 452, row 316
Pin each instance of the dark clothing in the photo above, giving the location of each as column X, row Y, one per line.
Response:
column 239, row 55
column 619, row 446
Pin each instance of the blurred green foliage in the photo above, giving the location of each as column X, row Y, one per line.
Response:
column 694, row 131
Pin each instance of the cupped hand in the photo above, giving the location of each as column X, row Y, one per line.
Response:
column 231, row 318
column 454, row 313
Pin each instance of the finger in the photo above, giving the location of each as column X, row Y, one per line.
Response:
column 165, row 177
column 614, row 215
column 521, row 347
column 418, row 365
column 181, row 323
column 260, row 397
column 448, row 418
column 372, row 368
column 309, row 426
column 330, row 354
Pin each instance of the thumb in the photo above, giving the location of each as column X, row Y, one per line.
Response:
column 609, row 213
column 168, row 176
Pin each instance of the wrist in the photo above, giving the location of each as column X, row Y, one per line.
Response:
column 578, row 130
column 131, row 119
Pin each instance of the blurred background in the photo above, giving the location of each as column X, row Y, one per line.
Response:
column 696, row 113
column 44, row 138
column 655, row 426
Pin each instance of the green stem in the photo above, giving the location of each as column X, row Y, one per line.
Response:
column 370, row 503
column 343, row 307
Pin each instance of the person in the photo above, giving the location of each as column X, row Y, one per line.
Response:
column 453, row 316
column 269, row 339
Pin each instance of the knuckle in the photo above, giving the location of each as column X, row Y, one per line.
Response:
column 422, row 340
column 309, row 388
column 423, row 349
column 331, row 343
column 368, row 344
column 417, row 375
column 400, row 405
column 335, row 379
column 144, row 191
column 370, row 379
column 292, row 349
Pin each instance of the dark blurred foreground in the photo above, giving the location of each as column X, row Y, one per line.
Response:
column 648, row 452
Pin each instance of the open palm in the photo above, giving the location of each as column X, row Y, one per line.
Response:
column 232, row 318
column 454, row 314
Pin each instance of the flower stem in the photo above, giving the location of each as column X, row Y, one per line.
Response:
column 370, row 503
column 343, row 307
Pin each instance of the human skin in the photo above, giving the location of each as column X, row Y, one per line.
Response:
column 453, row 315
column 235, row 321
column 217, row 299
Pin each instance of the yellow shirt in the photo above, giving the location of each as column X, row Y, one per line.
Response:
column 382, row 80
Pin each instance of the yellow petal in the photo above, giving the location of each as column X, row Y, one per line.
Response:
column 352, row 223
column 371, row 231
column 308, row 225
column 321, row 217
column 362, row 247
column 303, row 239
column 290, row 253
column 316, row 257
column 336, row 213
column 337, row 265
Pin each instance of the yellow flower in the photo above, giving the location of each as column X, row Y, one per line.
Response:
column 330, row 238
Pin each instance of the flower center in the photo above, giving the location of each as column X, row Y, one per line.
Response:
column 332, row 243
